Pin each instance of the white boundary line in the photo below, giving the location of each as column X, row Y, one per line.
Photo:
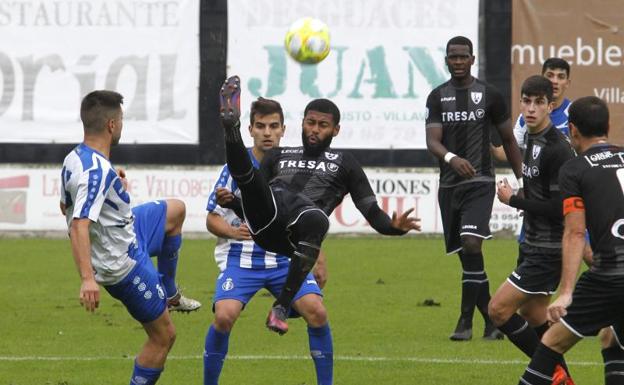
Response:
column 421, row 360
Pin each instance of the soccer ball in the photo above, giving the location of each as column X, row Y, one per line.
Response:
column 307, row 40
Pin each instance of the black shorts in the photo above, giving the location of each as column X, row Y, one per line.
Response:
column 275, row 235
column 538, row 270
column 597, row 302
column 466, row 210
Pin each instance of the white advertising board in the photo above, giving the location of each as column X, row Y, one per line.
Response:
column 52, row 53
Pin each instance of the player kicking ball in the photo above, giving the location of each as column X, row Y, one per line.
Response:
column 286, row 203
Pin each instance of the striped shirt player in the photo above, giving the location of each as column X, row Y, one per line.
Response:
column 246, row 267
column 558, row 117
column 91, row 188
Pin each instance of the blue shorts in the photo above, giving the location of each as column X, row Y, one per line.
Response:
column 241, row 284
column 141, row 291
column 149, row 225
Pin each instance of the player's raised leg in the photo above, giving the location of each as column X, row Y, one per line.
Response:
column 255, row 191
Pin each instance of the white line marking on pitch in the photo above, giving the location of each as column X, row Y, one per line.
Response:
column 422, row 360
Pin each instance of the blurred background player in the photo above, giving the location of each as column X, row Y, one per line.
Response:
column 459, row 119
column 109, row 248
column 537, row 274
column 286, row 204
column 246, row 268
column 592, row 191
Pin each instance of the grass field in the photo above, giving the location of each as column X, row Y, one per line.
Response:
column 381, row 334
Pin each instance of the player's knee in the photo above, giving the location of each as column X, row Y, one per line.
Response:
column 497, row 312
column 606, row 338
column 176, row 213
column 316, row 315
column 311, row 227
column 165, row 338
column 224, row 321
column 471, row 245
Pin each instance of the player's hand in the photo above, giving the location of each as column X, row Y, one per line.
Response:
column 224, row 196
column 404, row 222
column 241, row 233
column 557, row 309
column 122, row 175
column 462, row 167
column 504, row 191
column 90, row 294
column 320, row 273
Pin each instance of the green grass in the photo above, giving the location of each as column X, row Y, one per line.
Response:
column 375, row 285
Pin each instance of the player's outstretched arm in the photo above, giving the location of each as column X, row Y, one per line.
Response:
column 81, row 249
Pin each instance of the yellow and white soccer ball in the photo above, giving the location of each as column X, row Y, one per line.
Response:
column 307, row 40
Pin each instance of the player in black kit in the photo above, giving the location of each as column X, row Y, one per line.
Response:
column 287, row 202
column 530, row 286
column 460, row 114
column 592, row 188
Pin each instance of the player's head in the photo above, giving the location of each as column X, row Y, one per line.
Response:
column 266, row 123
column 321, row 122
column 459, row 57
column 101, row 114
column 557, row 71
column 536, row 96
column 589, row 118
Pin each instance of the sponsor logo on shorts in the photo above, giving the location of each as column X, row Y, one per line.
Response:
column 311, row 282
column 142, row 286
column 161, row 292
column 228, row 284
column 516, row 275
column 139, row 380
column 136, row 280
column 469, row 227
column 148, row 294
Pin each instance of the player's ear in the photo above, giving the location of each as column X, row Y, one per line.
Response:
column 336, row 130
column 283, row 131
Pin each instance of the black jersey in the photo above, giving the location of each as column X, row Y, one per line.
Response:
column 546, row 152
column 466, row 116
column 325, row 178
column 595, row 180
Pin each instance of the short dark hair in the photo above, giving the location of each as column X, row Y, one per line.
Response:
column 459, row 40
column 325, row 106
column 590, row 115
column 553, row 63
column 537, row 85
column 262, row 107
column 98, row 107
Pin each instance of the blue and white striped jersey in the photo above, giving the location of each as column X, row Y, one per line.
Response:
column 232, row 252
column 558, row 117
column 91, row 188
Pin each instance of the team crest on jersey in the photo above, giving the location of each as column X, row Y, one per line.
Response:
column 228, row 284
column 333, row 167
column 331, row 156
column 536, row 151
column 480, row 113
column 476, row 97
